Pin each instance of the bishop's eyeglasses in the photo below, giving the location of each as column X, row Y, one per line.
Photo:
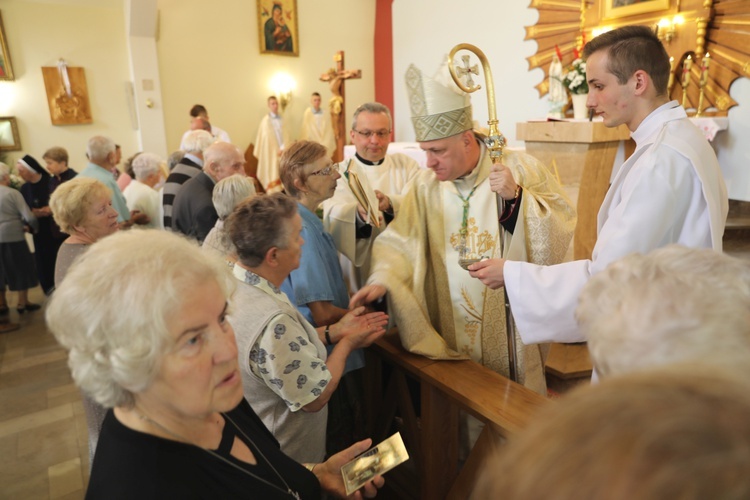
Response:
column 382, row 134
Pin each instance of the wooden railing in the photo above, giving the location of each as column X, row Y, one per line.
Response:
column 445, row 387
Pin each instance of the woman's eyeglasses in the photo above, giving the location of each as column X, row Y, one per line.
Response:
column 330, row 169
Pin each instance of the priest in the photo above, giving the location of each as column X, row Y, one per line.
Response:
column 269, row 144
column 316, row 125
column 440, row 310
column 670, row 190
column 388, row 176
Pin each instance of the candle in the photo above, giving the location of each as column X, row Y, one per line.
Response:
column 671, row 74
column 705, row 62
column 686, row 65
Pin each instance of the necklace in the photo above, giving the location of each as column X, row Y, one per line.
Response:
column 465, row 219
column 288, row 490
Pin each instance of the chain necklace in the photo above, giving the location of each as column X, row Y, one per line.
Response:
column 288, row 490
column 465, row 219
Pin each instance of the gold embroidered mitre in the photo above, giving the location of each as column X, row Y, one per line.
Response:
column 439, row 108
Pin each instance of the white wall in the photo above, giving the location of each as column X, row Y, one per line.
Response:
column 733, row 145
column 209, row 54
column 38, row 34
column 498, row 29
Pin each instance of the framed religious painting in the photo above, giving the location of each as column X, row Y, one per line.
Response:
column 6, row 69
column 615, row 9
column 9, row 139
column 277, row 27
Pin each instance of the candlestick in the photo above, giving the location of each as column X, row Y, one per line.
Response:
column 705, row 62
column 671, row 76
column 686, row 65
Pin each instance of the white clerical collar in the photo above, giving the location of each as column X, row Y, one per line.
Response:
column 275, row 117
column 318, row 112
column 368, row 162
column 656, row 119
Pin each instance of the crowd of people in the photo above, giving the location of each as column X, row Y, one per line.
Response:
column 235, row 371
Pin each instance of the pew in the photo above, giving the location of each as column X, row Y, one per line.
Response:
column 445, row 388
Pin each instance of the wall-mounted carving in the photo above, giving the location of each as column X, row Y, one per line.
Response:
column 67, row 94
column 720, row 27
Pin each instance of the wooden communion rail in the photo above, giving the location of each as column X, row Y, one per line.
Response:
column 445, row 388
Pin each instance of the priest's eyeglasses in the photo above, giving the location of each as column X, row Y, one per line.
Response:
column 329, row 170
column 382, row 134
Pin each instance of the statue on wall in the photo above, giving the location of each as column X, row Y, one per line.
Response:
column 557, row 95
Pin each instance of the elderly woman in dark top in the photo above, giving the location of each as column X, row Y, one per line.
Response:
column 82, row 208
column 17, row 269
column 178, row 425
column 35, row 191
column 40, row 184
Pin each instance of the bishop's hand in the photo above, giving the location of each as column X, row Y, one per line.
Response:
column 502, row 182
column 366, row 295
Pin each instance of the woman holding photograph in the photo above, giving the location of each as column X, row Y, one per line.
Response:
column 178, row 426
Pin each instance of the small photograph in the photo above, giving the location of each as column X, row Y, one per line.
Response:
column 375, row 461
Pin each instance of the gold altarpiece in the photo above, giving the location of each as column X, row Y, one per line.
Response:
column 721, row 27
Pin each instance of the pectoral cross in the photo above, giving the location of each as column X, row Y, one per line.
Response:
column 467, row 71
column 337, row 77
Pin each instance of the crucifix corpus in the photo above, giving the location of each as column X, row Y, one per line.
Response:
column 336, row 78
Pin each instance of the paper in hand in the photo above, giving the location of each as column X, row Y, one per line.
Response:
column 375, row 461
column 365, row 197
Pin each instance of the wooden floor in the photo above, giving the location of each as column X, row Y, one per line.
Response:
column 43, row 438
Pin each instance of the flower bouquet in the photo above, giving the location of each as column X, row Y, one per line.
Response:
column 575, row 78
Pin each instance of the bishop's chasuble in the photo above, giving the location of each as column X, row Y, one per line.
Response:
column 441, row 311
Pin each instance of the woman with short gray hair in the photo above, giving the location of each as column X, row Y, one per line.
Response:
column 287, row 375
column 227, row 194
column 163, row 357
column 17, row 269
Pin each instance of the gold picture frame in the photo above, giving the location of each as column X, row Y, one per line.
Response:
column 615, row 9
column 277, row 27
column 6, row 68
column 9, row 138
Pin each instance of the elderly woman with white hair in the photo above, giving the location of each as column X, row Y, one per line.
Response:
column 17, row 269
column 673, row 305
column 163, row 357
column 227, row 194
column 141, row 194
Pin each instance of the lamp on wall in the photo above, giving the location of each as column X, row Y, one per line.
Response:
column 282, row 85
column 666, row 29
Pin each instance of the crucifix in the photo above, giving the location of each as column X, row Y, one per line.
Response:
column 336, row 77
